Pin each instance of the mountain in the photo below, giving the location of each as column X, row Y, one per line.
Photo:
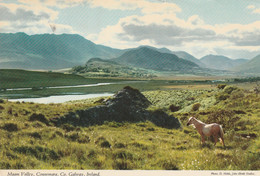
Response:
column 252, row 66
column 221, row 62
column 106, row 68
column 49, row 51
column 145, row 57
column 180, row 54
column 189, row 57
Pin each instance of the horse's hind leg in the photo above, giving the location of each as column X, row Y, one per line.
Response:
column 222, row 140
column 215, row 139
column 202, row 139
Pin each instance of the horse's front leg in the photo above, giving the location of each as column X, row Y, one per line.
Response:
column 215, row 139
column 202, row 139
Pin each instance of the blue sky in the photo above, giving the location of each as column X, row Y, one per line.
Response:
column 200, row 27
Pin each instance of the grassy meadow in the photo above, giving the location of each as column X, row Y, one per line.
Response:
column 28, row 139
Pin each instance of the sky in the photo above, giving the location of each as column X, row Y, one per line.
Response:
column 199, row 27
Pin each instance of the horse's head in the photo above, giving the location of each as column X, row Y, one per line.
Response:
column 191, row 119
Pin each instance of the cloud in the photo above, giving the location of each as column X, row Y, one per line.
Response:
column 53, row 3
column 161, row 29
column 239, row 34
column 250, row 7
column 145, row 6
column 29, row 19
column 21, row 14
column 193, row 34
column 255, row 10
column 15, row 12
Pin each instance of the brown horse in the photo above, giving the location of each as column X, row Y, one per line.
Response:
column 212, row 129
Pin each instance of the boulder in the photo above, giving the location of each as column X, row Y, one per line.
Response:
column 127, row 105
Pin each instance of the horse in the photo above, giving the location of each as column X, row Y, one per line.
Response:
column 204, row 129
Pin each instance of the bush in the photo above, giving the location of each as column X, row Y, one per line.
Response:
column 105, row 144
column 122, row 154
column 222, row 96
column 120, row 145
column 35, row 135
column 10, row 110
column 230, row 89
column 38, row 117
column 174, row 108
column 11, row 127
column 2, row 101
column 121, row 164
column 226, row 118
column 38, row 152
column 237, row 94
column 221, row 86
column 168, row 164
column 78, row 137
column 196, row 106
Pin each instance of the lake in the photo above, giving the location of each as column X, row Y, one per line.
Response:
column 60, row 98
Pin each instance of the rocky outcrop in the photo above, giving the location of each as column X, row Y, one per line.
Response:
column 127, row 105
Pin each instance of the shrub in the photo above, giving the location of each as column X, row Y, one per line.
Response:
column 221, row 86
column 105, row 144
column 230, row 89
column 174, row 108
column 223, row 117
column 168, row 164
column 222, row 96
column 2, row 101
column 122, row 154
column 68, row 127
column 196, row 106
column 121, row 164
column 38, row 152
column 237, row 94
column 78, row 137
column 38, row 117
column 10, row 110
column 1, row 107
column 11, row 127
column 35, row 135
column 119, row 145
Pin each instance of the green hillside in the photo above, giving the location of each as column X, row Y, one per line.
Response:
column 189, row 57
column 30, row 140
column 97, row 67
column 12, row 78
column 148, row 58
column 221, row 62
column 252, row 66
column 49, row 51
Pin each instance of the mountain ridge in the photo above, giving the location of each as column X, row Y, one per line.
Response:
column 220, row 62
column 49, row 51
column 147, row 58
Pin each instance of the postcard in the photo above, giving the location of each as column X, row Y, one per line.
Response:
column 129, row 87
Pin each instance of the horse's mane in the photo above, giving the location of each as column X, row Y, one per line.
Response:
column 199, row 121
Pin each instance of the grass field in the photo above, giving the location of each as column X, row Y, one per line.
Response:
column 28, row 140
column 38, row 83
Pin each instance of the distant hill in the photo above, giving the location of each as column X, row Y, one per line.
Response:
column 106, row 68
column 252, row 66
column 14, row 78
column 145, row 57
column 221, row 62
column 49, row 51
column 189, row 57
column 180, row 54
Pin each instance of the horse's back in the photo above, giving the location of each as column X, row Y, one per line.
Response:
column 211, row 129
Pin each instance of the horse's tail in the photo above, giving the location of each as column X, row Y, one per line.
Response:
column 221, row 135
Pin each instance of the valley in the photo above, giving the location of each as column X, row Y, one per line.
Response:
column 106, row 108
